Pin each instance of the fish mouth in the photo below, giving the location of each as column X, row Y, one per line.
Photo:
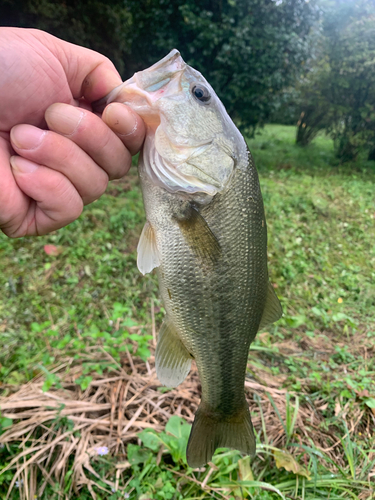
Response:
column 166, row 68
column 146, row 87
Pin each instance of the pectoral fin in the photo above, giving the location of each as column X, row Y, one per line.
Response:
column 199, row 236
column 172, row 360
column 148, row 256
column 272, row 310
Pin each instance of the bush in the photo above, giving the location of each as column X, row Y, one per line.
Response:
column 339, row 94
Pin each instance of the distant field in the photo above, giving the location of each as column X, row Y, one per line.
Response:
column 72, row 319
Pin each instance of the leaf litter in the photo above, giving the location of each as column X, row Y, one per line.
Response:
column 320, row 422
column 65, row 423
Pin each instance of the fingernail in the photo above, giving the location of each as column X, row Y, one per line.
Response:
column 100, row 82
column 63, row 118
column 26, row 136
column 120, row 118
column 23, row 166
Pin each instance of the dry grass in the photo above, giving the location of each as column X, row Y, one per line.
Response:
column 55, row 427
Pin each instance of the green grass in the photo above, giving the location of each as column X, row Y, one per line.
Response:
column 320, row 219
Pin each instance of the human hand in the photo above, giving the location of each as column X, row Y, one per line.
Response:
column 56, row 158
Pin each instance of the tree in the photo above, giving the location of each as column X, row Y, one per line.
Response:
column 339, row 94
column 249, row 50
column 101, row 25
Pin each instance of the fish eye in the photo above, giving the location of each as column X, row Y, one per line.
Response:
column 201, row 93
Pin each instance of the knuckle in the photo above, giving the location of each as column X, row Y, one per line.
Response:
column 98, row 188
column 67, row 197
column 75, row 209
column 69, row 155
column 102, row 185
column 59, row 186
column 104, row 140
column 122, row 166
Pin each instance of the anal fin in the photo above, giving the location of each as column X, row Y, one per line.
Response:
column 148, row 256
column 272, row 310
column 172, row 359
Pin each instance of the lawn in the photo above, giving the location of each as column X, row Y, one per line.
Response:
column 82, row 414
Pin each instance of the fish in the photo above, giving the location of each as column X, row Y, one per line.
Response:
column 206, row 236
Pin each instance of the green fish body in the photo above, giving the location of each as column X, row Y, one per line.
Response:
column 206, row 235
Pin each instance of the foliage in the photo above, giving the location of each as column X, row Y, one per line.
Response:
column 321, row 253
column 249, row 50
column 228, row 472
column 339, row 94
column 89, row 294
column 99, row 25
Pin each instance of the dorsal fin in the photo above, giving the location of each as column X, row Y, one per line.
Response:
column 272, row 310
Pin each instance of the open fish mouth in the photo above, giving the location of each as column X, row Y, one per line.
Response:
column 191, row 144
column 161, row 73
column 144, row 88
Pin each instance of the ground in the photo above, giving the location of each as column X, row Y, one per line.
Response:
column 82, row 413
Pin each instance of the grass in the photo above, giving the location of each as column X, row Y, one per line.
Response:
column 70, row 323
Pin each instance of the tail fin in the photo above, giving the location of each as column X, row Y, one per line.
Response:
column 210, row 432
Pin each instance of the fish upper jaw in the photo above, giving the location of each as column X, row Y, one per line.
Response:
column 145, row 88
column 172, row 62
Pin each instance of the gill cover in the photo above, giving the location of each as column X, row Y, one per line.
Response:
column 192, row 146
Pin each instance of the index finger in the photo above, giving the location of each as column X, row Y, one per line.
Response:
column 129, row 126
column 89, row 74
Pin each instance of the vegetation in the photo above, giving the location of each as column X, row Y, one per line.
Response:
column 82, row 414
column 77, row 325
column 309, row 63
column 338, row 94
column 249, row 50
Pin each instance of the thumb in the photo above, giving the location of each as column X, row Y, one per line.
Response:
column 89, row 74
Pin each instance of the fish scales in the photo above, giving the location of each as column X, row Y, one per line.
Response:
column 221, row 303
column 206, row 235
column 216, row 308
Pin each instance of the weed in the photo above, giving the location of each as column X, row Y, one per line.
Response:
column 72, row 321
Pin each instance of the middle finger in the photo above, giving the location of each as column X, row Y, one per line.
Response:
column 91, row 134
column 60, row 153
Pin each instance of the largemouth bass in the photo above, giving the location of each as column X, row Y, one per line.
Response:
column 206, row 236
